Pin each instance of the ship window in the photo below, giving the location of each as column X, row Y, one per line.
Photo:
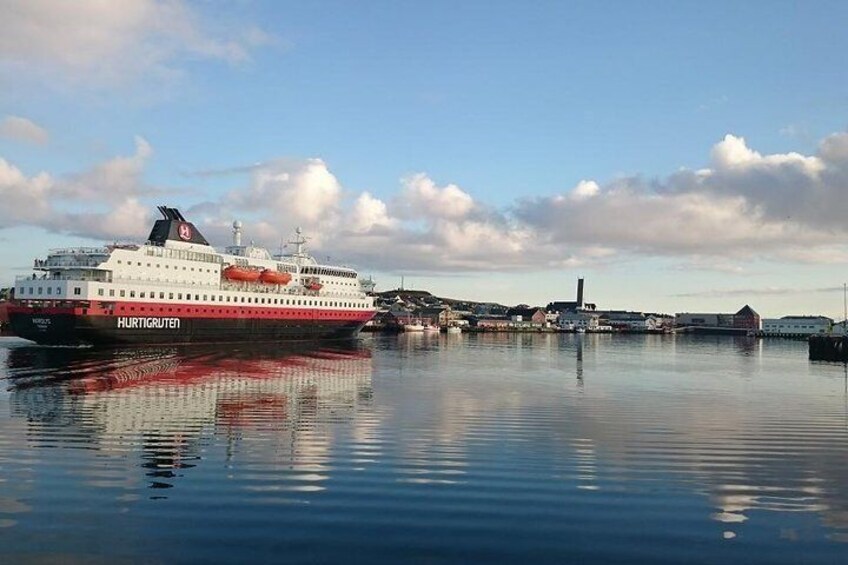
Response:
column 49, row 290
column 148, row 264
column 162, row 295
column 99, row 291
column 142, row 294
column 119, row 261
column 40, row 290
column 242, row 299
column 179, row 296
column 111, row 292
column 123, row 293
column 139, row 263
column 188, row 297
column 77, row 290
column 158, row 265
column 197, row 297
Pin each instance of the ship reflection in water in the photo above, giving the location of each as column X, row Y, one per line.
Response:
column 491, row 447
column 260, row 404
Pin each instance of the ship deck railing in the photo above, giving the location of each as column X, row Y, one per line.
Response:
column 79, row 251
column 260, row 288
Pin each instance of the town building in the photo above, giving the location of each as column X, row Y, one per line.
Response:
column 532, row 315
column 587, row 321
column 746, row 319
column 797, row 325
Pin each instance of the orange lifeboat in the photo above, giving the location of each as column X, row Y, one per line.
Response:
column 274, row 277
column 241, row 274
column 314, row 285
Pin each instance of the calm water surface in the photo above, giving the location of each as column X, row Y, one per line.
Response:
column 490, row 448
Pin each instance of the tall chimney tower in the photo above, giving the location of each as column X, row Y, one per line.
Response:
column 580, row 292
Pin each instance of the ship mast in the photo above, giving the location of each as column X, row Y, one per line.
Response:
column 299, row 241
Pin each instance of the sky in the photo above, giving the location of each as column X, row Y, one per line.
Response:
column 681, row 156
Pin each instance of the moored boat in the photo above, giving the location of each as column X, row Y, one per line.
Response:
column 177, row 288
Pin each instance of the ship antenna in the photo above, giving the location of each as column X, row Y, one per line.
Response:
column 298, row 242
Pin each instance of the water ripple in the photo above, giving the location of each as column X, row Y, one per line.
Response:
column 501, row 447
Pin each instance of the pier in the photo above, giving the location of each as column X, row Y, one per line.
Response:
column 828, row 348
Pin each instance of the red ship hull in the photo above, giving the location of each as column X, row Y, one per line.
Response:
column 122, row 324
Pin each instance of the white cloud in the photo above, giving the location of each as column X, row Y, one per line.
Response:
column 126, row 220
column 297, row 192
column 22, row 129
column 369, row 212
column 96, row 40
column 585, row 189
column 115, row 179
column 102, row 202
column 746, row 205
column 25, row 199
column 423, row 198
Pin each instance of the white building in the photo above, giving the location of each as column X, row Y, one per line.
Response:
column 794, row 325
column 587, row 321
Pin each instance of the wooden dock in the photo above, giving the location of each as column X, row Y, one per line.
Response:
column 828, row 348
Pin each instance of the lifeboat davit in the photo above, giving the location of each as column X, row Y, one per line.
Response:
column 274, row 277
column 242, row 274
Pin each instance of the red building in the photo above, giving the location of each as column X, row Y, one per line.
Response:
column 746, row 318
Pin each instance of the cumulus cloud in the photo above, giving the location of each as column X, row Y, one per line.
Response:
column 743, row 205
column 295, row 191
column 22, row 129
column 107, row 41
column 369, row 213
column 102, row 202
column 115, row 179
column 423, row 197
column 25, row 199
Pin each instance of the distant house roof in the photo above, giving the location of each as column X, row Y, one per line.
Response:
column 747, row 311
column 524, row 312
column 433, row 310
column 560, row 305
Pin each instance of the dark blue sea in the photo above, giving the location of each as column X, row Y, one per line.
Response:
column 497, row 448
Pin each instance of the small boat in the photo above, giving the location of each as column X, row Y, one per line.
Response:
column 269, row 276
column 241, row 274
column 414, row 327
column 431, row 328
column 454, row 330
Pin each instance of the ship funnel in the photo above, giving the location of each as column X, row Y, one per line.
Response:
column 237, row 233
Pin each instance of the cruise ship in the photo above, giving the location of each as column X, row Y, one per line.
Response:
column 176, row 288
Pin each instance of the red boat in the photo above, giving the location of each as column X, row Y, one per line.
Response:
column 269, row 276
column 314, row 285
column 242, row 274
